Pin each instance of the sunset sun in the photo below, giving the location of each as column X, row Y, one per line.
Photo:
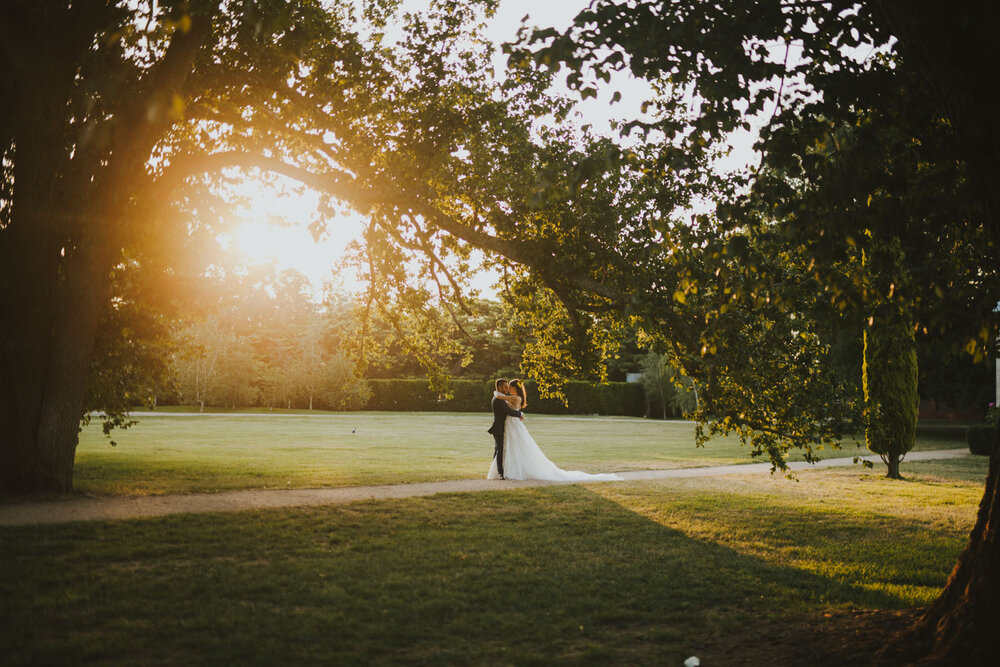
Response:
column 258, row 241
column 272, row 226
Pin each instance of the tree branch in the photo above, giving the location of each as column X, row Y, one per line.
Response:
column 334, row 182
column 427, row 247
column 344, row 187
column 517, row 251
column 153, row 101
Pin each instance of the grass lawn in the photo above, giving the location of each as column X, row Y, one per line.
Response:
column 177, row 454
column 624, row 573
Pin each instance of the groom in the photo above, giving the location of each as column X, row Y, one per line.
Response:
column 500, row 413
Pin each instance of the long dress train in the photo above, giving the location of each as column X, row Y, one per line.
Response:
column 524, row 459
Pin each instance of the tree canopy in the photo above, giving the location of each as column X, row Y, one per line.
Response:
column 876, row 190
column 399, row 117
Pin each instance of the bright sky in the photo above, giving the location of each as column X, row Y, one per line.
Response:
column 274, row 227
column 289, row 243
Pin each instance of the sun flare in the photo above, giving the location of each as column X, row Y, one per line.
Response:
column 258, row 241
column 272, row 228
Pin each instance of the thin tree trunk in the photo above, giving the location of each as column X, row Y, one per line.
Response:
column 892, row 464
column 197, row 385
column 663, row 398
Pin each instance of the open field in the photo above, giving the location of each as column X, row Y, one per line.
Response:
column 178, row 454
column 736, row 570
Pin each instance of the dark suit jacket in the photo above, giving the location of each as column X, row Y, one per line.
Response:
column 501, row 410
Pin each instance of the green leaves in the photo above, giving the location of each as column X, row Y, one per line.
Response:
column 890, row 386
column 711, row 267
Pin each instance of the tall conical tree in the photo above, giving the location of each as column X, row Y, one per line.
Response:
column 890, row 388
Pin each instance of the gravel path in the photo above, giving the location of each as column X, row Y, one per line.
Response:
column 91, row 508
column 346, row 416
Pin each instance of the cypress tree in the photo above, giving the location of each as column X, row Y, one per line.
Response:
column 890, row 388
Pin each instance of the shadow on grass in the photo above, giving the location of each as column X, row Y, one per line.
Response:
column 558, row 574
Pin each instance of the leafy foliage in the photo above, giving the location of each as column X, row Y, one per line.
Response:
column 261, row 340
column 602, row 237
column 130, row 362
column 758, row 298
column 667, row 393
column 981, row 438
column 890, row 385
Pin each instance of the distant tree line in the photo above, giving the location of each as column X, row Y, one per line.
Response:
column 257, row 337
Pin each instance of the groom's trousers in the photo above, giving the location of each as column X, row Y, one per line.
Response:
column 498, row 451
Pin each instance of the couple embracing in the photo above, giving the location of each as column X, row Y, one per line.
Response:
column 516, row 455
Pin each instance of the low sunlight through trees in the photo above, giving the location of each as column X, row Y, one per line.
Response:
column 122, row 124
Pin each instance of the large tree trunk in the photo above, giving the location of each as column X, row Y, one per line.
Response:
column 52, row 298
column 38, row 363
column 63, row 233
column 49, row 339
column 85, row 295
column 960, row 627
column 26, row 316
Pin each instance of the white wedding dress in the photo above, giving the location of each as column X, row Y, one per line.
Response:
column 523, row 459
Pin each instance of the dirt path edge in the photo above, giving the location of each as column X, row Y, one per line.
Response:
column 105, row 508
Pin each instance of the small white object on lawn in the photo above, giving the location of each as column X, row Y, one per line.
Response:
column 693, row 661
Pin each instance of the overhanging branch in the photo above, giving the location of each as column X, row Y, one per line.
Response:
column 518, row 251
column 346, row 188
column 334, row 182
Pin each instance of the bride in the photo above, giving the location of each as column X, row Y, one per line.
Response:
column 523, row 459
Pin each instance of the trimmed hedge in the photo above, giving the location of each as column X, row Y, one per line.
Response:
column 584, row 398
column 616, row 398
column 980, row 438
column 416, row 396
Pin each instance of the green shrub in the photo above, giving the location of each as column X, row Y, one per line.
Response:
column 467, row 396
column 404, row 395
column 980, row 438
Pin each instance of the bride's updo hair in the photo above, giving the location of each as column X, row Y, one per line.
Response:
column 519, row 388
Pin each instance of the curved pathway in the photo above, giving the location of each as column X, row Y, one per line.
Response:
column 102, row 508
